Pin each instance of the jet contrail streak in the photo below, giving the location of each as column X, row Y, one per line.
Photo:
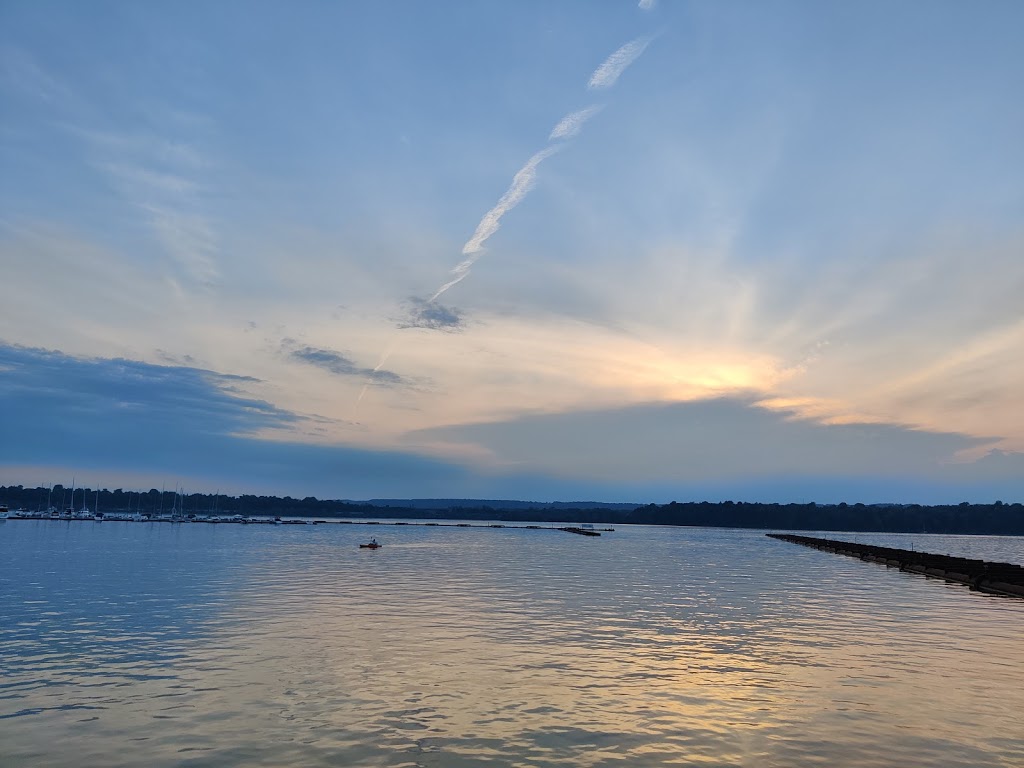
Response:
column 522, row 183
column 570, row 125
column 383, row 359
column 606, row 75
column 567, row 128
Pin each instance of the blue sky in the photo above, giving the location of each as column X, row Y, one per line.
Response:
column 527, row 250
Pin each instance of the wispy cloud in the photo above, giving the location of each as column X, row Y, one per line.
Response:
column 571, row 125
column 646, row 5
column 521, row 185
column 159, row 178
column 20, row 71
column 134, row 177
column 606, row 75
column 432, row 315
column 338, row 364
column 155, row 173
column 168, row 152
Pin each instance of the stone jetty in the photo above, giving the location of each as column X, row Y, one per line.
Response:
column 995, row 578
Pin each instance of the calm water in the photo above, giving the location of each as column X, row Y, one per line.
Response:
column 198, row 645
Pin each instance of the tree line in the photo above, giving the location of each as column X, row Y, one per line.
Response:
column 964, row 518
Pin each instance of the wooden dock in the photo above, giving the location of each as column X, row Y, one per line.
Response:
column 982, row 575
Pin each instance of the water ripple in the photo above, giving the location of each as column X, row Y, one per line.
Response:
column 245, row 645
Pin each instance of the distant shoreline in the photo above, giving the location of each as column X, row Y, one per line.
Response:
column 1004, row 519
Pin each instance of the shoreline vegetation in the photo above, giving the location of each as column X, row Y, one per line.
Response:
column 998, row 518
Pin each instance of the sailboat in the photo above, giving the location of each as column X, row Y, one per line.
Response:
column 69, row 511
column 137, row 516
column 50, row 509
column 175, row 512
column 84, row 513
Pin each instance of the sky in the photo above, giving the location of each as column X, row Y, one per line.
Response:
column 610, row 251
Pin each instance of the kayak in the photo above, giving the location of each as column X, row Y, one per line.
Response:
column 370, row 546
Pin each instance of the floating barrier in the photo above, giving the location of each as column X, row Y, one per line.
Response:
column 982, row 575
column 238, row 519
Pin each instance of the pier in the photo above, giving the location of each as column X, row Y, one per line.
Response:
column 994, row 578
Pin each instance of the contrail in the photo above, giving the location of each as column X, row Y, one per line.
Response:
column 383, row 359
column 522, row 183
column 567, row 128
column 571, row 125
column 606, row 75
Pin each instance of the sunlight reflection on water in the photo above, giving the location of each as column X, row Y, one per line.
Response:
column 128, row 644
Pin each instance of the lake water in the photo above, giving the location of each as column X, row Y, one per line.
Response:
column 127, row 644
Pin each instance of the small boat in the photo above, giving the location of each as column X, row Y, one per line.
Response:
column 374, row 544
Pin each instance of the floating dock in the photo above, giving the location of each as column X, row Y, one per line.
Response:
column 264, row 520
column 567, row 529
column 995, row 578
